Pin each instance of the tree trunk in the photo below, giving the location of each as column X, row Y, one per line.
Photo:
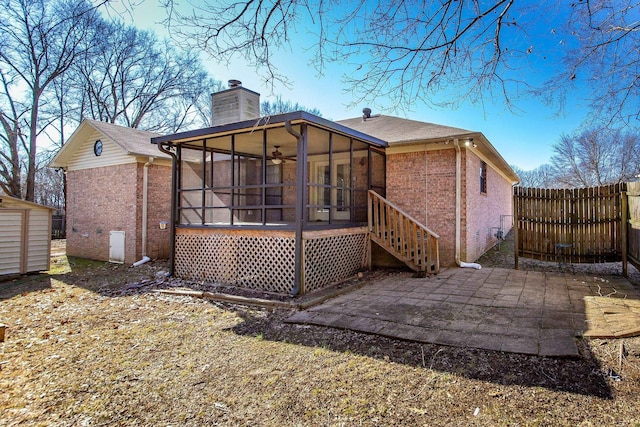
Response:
column 33, row 134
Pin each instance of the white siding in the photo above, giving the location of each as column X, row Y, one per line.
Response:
column 10, row 241
column 39, row 237
column 112, row 154
column 28, row 224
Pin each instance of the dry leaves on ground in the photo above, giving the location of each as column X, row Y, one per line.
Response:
column 90, row 345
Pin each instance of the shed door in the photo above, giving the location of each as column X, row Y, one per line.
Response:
column 12, row 242
column 116, row 247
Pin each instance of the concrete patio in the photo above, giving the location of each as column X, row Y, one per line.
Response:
column 494, row 309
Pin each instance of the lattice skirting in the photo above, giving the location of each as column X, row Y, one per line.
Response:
column 257, row 262
column 267, row 262
column 333, row 258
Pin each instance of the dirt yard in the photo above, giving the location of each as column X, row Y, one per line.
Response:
column 89, row 344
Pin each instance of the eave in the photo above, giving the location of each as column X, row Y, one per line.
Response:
column 267, row 122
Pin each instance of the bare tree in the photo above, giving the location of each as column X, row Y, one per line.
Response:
column 134, row 80
column 602, row 39
column 13, row 141
column 50, row 184
column 437, row 52
column 596, row 157
column 39, row 41
column 541, row 177
column 280, row 106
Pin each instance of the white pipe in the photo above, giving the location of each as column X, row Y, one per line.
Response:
column 470, row 265
column 142, row 261
column 458, row 198
column 427, row 200
column 145, row 197
column 458, row 207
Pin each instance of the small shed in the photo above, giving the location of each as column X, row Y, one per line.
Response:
column 25, row 242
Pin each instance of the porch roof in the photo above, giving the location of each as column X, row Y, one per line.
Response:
column 268, row 122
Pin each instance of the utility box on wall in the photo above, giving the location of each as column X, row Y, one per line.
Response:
column 116, row 247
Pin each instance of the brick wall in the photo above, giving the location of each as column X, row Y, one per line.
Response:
column 441, row 194
column 158, row 210
column 423, row 184
column 484, row 210
column 101, row 200
column 406, row 178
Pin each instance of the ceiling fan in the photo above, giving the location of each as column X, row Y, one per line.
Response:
column 277, row 156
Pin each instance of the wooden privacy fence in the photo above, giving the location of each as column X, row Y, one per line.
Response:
column 581, row 225
column 633, row 224
column 58, row 227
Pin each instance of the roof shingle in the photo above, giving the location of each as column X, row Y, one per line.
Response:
column 396, row 130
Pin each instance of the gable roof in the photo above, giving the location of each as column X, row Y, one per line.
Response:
column 396, row 130
column 404, row 132
column 134, row 142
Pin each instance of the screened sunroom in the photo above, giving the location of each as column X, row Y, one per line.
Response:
column 277, row 203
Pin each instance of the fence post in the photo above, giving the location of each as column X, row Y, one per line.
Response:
column 516, row 224
column 624, row 226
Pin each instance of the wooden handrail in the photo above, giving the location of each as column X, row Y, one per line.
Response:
column 402, row 235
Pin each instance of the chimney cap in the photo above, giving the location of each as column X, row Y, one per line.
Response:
column 366, row 113
column 234, row 83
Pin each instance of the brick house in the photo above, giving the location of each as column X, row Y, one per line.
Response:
column 451, row 180
column 118, row 193
column 293, row 202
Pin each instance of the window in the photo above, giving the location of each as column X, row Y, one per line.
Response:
column 483, row 177
column 332, row 189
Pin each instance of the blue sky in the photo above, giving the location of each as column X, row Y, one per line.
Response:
column 524, row 138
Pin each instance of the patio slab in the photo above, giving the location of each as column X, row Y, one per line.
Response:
column 494, row 309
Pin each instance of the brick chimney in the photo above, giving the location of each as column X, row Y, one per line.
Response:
column 235, row 104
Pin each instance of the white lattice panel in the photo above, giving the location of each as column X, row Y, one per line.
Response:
column 333, row 258
column 258, row 262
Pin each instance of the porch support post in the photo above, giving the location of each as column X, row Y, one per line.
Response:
column 332, row 200
column 301, row 212
column 175, row 165
column 263, row 178
column 516, row 224
column 233, row 175
column 203, row 191
column 350, row 186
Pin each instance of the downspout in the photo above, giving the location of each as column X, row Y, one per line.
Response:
column 458, row 198
column 300, row 185
column 145, row 211
column 458, row 209
column 174, row 199
column 145, row 204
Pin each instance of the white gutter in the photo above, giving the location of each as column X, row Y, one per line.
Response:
column 458, row 207
column 145, row 209
column 458, row 197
